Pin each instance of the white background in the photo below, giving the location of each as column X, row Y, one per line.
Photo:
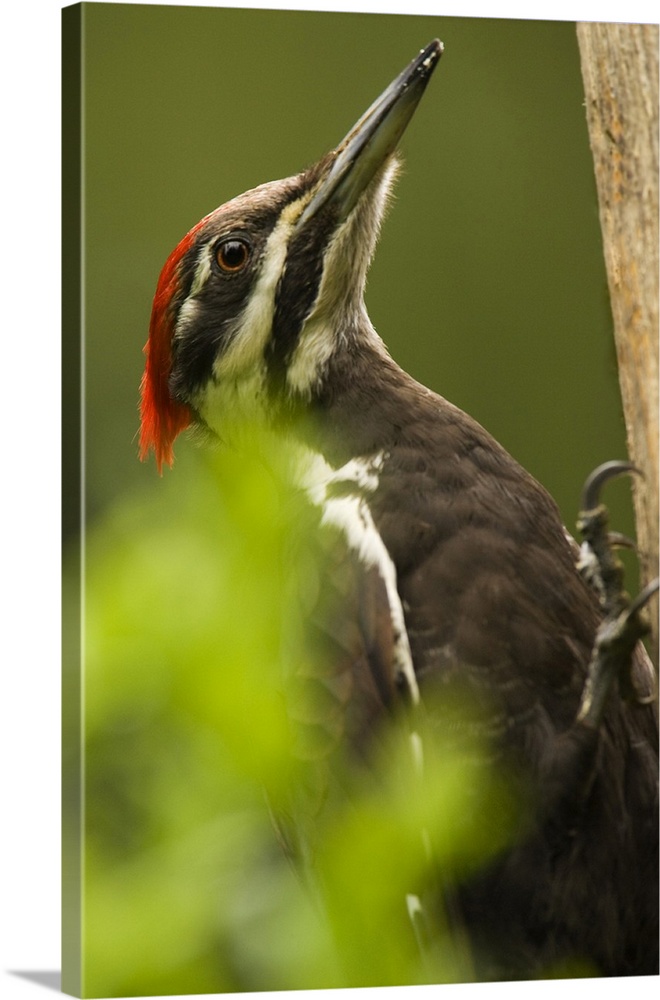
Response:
column 30, row 484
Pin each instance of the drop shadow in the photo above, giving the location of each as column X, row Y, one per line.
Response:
column 50, row 980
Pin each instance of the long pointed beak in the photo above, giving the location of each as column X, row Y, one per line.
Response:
column 371, row 141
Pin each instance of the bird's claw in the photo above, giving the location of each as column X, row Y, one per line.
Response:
column 623, row 625
column 619, row 541
column 597, row 479
column 598, row 562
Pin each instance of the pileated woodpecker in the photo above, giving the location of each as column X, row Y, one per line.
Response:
column 462, row 569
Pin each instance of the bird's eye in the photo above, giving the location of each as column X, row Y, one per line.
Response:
column 232, row 255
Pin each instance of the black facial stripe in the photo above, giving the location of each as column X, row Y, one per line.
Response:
column 296, row 293
column 195, row 356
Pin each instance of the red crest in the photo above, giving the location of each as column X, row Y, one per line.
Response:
column 161, row 417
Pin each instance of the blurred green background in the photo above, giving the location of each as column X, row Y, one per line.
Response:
column 488, row 286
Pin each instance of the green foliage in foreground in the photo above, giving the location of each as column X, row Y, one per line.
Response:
column 188, row 627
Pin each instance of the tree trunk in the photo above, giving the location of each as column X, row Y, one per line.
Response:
column 620, row 73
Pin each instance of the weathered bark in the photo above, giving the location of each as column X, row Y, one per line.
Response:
column 620, row 73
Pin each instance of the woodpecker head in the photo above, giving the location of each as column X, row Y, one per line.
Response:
column 254, row 301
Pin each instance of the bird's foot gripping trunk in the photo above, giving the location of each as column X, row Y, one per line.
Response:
column 623, row 625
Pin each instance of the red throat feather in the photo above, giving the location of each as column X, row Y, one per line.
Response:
column 161, row 417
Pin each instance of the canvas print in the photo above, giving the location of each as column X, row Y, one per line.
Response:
column 355, row 694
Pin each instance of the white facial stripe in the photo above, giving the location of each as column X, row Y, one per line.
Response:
column 202, row 271
column 189, row 307
column 311, row 356
column 338, row 302
column 247, row 346
column 237, row 394
column 187, row 316
column 352, row 516
column 318, row 337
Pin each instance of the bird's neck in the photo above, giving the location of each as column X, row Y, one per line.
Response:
column 365, row 404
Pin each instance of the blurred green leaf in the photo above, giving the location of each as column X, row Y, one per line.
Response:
column 190, row 633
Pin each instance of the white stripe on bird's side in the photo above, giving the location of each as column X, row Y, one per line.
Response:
column 349, row 512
